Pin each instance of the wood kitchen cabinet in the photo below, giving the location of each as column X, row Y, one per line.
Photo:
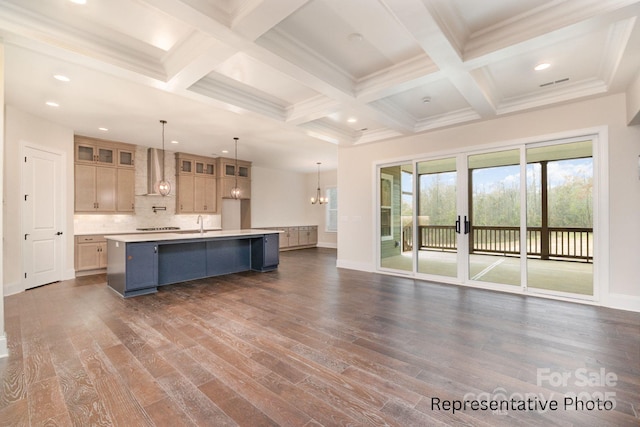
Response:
column 125, row 195
column 196, row 184
column 90, row 253
column 104, row 176
column 298, row 237
column 95, row 188
column 227, row 177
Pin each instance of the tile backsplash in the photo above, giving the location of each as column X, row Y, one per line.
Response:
column 144, row 212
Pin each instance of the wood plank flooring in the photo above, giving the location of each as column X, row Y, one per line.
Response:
column 310, row 345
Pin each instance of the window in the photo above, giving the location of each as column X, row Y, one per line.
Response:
column 331, row 221
column 386, row 215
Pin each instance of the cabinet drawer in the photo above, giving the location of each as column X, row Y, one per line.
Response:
column 90, row 239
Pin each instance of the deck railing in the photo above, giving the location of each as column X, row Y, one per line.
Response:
column 559, row 242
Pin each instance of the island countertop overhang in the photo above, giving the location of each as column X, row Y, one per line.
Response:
column 158, row 237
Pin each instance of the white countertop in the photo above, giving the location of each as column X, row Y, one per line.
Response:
column 153, row 237
column 109, row 233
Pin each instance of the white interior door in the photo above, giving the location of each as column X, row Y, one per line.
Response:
column 42, row 217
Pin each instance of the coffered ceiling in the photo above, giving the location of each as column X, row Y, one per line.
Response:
column 295, row 78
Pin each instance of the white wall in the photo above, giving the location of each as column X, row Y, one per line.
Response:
column 281, row 198
column 356, row 172
column 317, row 213
column 24, row 128
column 278, row 198
column 4, row 348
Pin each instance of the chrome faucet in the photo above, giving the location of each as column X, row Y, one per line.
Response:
column 201, row 222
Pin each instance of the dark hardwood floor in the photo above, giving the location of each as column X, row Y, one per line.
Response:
column 311, row 345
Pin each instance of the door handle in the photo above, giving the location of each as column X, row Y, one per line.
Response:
column 467, row 225
column 59, row 233
column 458, row 225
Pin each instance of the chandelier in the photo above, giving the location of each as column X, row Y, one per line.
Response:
column 318, row 199
column 235, row 191
column 164, row 188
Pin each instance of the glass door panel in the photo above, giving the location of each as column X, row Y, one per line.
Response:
column 396, row 217
column 436, row 220
column 560, row 218
column 494, row 211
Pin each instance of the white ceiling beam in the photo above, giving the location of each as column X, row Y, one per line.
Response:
column 544, row 21
column 426, row 29
column 265, row 15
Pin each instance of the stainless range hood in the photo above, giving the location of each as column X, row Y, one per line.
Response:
column 154, row 170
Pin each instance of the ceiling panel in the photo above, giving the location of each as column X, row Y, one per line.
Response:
column 285, row 77
column 332, row 30
column 578, row 60
column 492, row 12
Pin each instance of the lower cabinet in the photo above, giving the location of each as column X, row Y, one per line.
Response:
column 138, row 268
column 265, row 253
column 298, row 237
column 142, row 265
column 90, row 253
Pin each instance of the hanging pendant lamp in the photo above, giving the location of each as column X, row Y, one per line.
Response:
column 318, row 199
column 235, row 191
column 164, row 188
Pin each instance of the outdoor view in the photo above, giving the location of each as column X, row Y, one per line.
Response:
column 559, row 209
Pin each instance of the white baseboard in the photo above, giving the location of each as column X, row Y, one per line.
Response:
column 622, row 302
column 12, row 288
column 329, row 245
column 360, row 266
column 69, row 274
column 4, row 348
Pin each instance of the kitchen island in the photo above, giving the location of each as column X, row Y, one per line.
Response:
column 138, row 263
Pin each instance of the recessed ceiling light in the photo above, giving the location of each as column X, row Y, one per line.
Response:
column 352, row 120
column 52, row 104
column 426, row 99
column 542, row 66
column 62, row 78
column 79, row 1
column 225, row 151
column 175, row 142
column 103, row 129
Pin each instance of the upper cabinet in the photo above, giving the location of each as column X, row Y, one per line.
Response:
column 227, row 177
column 196, row 182
column 104, row 176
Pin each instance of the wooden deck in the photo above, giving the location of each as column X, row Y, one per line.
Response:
column 306, row 345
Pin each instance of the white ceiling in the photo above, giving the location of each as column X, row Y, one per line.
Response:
column 286, row 75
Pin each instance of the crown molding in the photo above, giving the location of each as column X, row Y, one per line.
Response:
column 447, row 119
column 141, row 58
column 545, row 19
column 408, row 74
column 292, row 50
column 570, row 92
column 311, row 109
column 240, row 96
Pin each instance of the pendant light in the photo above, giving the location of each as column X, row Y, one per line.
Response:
column 319, row 199
column 235, row 191
column 164, row 188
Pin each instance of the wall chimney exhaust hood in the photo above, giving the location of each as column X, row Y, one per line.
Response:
column 154, row 171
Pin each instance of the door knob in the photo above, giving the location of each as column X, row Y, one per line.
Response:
column 59, row 233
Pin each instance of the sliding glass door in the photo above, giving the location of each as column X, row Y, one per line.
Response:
column 494, row 209
column 436, row 222
column 515, row 219
column 396, row 217
column 560, row 218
